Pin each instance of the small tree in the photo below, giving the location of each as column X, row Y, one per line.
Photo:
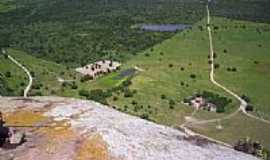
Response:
column 8, row 74
column 192, row 76
column 163, row 96
column 216, row 66
column 249, row 108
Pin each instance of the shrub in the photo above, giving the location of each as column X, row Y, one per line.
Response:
column 86, row 78
column 147, row 54
column 84, row 93
column 128, row 93
column 115, row 98
column 99, row 95
column 8, row 74
column 145, row 116
column 74, row 86
column 134, row 102
column 234, row 69
column 182, row 68
column 193, row 76
column 220, row 109
column 163, row 96
column 171, row 102
column 170, row 65
column 216, row 66
column 182, row 83
column 249, row 108
column 246, row 98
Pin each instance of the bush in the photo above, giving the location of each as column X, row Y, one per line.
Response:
column 234, row 69
column 249, row 108
column 128, row 93
column 115, row 98
column 220, row 109
column 170, row 65
column 163, row 96
column 246, row 98
column 99, row 95
column 193, row 76
column 134, row 102
column 182, row 68
column 84, row 93
column 171, row 102
column 86, row 78
column 74, row 86
column 8, row 74
column 216, row 66
column 145, row 116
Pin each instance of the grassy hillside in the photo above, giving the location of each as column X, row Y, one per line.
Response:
column 246, row 47
column 45, row 74
column 167, row 68
column 163, row 75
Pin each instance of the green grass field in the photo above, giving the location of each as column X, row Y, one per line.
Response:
column 238, row 127
column 163, row 75
column 44, row 74
column 247, row 46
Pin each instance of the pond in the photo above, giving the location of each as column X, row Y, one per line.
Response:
column 126, row 73
column 164, row 27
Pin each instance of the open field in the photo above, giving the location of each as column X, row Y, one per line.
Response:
column 162, row 75
column 238, row 127
column 247, row 49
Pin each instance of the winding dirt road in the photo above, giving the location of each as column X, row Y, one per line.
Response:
column 28, row 87
column 243, row 103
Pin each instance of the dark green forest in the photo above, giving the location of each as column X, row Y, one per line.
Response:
column 77, row 32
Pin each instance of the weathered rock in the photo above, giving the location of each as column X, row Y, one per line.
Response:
column 120, row 136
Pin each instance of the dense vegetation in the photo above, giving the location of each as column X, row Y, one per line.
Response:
column 79, row 32
column 82, row 31
column 252, row 10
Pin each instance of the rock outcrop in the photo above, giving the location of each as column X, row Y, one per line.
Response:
column 70, row 129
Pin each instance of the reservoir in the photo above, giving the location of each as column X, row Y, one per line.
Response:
column 164, row 27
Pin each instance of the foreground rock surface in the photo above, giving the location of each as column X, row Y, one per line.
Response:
column 69, row 129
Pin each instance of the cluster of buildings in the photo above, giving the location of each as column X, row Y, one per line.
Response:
column 99, row 68
column 201, row 103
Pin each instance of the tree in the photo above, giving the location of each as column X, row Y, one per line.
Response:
column 182, row 68
column 84, row 93
column 234, row 69
column 145, row 116
column 216, row 66
column 193, row 76
column 74, row 86
column 163, row 96
column 8, row 74
column 249, row 108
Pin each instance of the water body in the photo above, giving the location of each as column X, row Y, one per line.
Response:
column 164, row 27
